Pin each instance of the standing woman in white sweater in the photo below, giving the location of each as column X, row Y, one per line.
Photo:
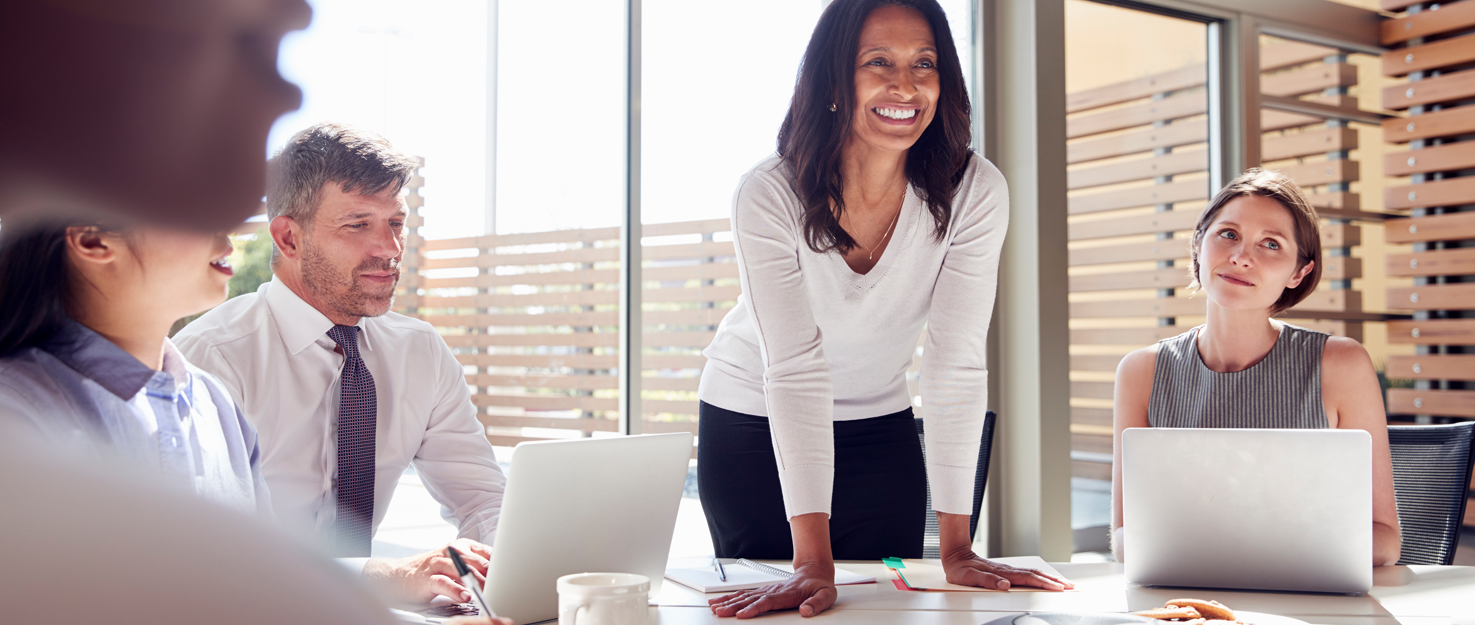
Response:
column 873, row 220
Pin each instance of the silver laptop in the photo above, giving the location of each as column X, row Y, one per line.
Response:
column 1254, row 509
column 602, row 505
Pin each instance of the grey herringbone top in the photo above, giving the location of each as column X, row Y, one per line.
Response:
column 1281, row 391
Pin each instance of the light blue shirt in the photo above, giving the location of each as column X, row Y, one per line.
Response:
column 88, row 396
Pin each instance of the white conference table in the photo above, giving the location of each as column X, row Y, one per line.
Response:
column 1402, row 595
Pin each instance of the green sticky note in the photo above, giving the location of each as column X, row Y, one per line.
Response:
column 894, row 563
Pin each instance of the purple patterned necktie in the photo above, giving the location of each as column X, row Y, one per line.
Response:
column 357, row 411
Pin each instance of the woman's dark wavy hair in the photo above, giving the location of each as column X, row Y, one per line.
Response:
column 811, row 136
column 35, row 282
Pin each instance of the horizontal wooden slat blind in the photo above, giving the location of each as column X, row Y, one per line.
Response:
column 536, row 323
column 1435, row 51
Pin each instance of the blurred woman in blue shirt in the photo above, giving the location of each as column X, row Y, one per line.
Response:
column 85, row 357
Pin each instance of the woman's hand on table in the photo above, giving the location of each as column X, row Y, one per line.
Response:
column 965, row 568
column 811, row 589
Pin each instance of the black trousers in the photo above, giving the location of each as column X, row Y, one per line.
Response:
column 879, row 504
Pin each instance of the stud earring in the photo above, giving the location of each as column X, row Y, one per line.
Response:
column 832, row 107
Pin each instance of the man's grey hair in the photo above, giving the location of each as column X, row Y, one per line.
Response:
column 358, row 160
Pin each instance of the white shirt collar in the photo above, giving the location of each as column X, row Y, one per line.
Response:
column 301, row 324
column 174, row 365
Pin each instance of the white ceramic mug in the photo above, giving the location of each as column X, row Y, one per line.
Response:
column 603, row 599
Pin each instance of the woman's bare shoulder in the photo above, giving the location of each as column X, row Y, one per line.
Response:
column 1138, row 363
column 1343, row 357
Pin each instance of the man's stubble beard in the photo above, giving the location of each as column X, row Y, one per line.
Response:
column 341, row 291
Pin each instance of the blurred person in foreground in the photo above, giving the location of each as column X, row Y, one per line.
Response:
column 346, row 394
column 143, row 111
column 85, row 357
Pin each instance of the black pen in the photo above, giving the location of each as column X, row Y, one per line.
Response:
column 721, row 574
column 469, row 580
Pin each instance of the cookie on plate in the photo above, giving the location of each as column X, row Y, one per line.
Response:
column 1169, row 613
column 1212, row 610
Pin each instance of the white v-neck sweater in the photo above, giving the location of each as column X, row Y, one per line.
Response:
column 811, row 342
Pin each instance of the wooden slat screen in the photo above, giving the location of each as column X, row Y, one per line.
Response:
column 536, row 323
column 1434, row 51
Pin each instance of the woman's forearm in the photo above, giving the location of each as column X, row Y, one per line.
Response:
column 952, row 533
column 811, row 534
column 1387, row 544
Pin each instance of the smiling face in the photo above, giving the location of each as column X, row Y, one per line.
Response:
column 896, row 79
column 169, row 272
column 1248, row 256
column 352, row 251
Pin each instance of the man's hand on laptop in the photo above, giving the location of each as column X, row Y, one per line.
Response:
column 421, row 577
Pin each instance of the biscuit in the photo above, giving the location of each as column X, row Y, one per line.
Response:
column 1169, row 613
column 1212, row 610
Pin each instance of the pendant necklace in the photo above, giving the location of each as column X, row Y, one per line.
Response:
column 870, row 252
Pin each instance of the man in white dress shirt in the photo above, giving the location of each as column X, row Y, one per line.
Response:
column 346, row 394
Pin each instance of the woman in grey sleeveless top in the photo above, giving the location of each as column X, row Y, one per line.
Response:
column 1256, row 252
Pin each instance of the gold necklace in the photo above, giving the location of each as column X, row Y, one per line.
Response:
column 871, row 253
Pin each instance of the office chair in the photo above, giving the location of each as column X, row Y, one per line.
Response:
column 931, row 540
column 1431, row 482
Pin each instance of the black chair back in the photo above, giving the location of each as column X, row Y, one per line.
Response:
column 1431, row 482
column 931, row 539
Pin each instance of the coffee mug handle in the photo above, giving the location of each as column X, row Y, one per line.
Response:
column 583, row 607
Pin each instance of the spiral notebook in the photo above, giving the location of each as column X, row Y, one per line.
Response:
column 743, row 574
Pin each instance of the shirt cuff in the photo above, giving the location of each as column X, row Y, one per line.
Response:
column 354, row 565
column 807, row 488
column 952, row 488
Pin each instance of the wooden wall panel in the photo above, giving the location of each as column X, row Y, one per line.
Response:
column 1435, row 90
column 1309, row 79
column 1435, row 55
column 1432, row 297
column 1322, row 173
column 1432, row 367
column 1308, row 143
column 1446, row 227
column 1172, row 107
column 1451, row 16
column 1431, row 402
column 1446, row 157
column 1455, row 262
column 1182, row 78
column 1183, row 162
column 1432, row 332
column 1445, row 123
column 1450, row 192
column 1167, row 193
column 1168, row 278
column 1134, row 224
column 1145, row 140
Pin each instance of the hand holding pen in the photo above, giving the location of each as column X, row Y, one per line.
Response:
column 469, row 579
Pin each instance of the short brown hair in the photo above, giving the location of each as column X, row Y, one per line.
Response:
column 361, row 161
column 1278, row 187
